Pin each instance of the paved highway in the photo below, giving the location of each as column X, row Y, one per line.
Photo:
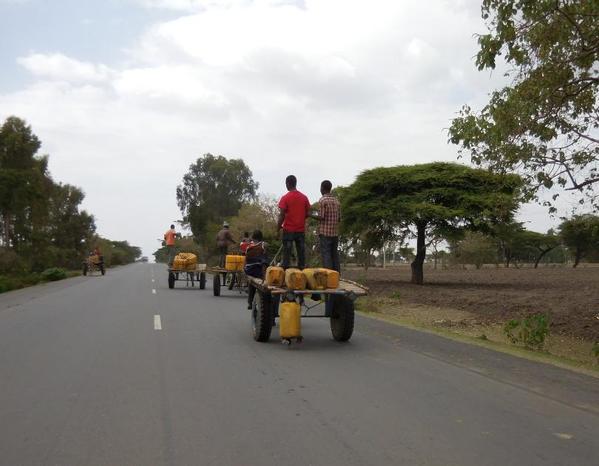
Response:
column 120, row 370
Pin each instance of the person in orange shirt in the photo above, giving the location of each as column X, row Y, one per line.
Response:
column 169, row 239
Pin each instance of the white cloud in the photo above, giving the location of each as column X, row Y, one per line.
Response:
column 321, row 88
column 60, row 67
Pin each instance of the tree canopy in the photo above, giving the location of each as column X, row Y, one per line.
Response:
column 581, row 235
column 41, row 221
column 391, row 202
column 545, row 123
column 213, row 189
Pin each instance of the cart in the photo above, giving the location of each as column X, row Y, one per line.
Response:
column 337, row 303
column 94, row 263
column 190, row 277
column 233, row 280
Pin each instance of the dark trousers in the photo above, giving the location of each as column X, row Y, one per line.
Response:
column 289, row 238
column 171, row 252
column 329, row 252
column 223, row 254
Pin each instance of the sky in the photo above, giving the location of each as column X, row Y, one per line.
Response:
column 126, row 94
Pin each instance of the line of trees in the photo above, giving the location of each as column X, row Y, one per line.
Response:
column 470, row 209
column 41, row 222
column 217, row 189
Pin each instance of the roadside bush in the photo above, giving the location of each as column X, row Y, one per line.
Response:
column 595, row 350
column 6, row 284
column 9, row 283
column 530, row 331
column 10, row 262
column 53, row 274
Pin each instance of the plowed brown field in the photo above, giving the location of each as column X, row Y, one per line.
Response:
column 570, row 296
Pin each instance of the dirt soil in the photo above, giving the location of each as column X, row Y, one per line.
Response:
column 496, row 295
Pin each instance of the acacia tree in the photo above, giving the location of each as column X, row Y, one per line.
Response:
column 540, row 244
column 581, row 235
column 213, row 189
column 420, row 199
column 545, row 123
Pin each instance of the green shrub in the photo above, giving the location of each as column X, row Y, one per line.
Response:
column 15, row 282
column 53, row 274
column 530, row 331
column 6, row 284
column 595, row 350
column 10, row 262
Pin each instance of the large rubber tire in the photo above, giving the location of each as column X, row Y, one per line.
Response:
column 342, row 318
column 262, row 316
column 171, row 280
column 231, row 281
column 202, row 280
column 84, row 269
column 216, row 285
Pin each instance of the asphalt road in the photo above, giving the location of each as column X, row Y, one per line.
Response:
column 87, row 378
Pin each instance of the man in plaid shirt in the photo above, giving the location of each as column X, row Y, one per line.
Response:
column 329, row 215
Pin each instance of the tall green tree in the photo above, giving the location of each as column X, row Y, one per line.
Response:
column 71, row 229
column 213, row 189
column 474, row 248
column 545, row 123
column 580, row 234
column 22, row 181
column 421, row 199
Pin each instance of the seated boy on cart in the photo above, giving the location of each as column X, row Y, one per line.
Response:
column 256, row 261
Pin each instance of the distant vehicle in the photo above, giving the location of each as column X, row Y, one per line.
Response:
column 93, row 263
column 144, row 259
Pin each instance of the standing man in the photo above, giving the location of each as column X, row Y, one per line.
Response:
column 169, row 239
column 329, row 216
column 223, row 240
column 294, row 208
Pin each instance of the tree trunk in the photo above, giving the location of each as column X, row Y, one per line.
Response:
column 540, row 256
column 577, row 257
column 418, row 263
column 6, row 229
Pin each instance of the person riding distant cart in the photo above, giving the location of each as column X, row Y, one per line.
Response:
column 256, row 261
column 169, row 242
column 223, row 241
column 245, row 242
column 98, row 253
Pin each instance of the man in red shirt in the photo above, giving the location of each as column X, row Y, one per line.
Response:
column 294, row 208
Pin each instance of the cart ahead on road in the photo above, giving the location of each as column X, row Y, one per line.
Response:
column 190, row 277
column 232, row 280
column 94, row 263
column 336, row 304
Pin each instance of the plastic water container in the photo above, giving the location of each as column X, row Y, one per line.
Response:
column 290, row 320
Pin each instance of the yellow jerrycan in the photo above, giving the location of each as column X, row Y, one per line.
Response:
column 290, row 320
column 275, row 276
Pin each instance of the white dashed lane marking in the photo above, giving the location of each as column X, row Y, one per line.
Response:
column 157, row 323
column 153, row 291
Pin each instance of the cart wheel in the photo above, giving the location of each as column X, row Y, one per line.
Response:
column 202, row 280
column 84, row 269
column 262, row 316
column 216, row 285
column 342, row 318
column 102, row 269
column 171, row 280
column 231, row 281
